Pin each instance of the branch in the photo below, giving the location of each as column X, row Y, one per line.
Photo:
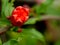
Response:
column 50, row 17
column 3, row 29
column 3, row 33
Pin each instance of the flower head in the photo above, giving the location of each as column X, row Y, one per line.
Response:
column 19, row 16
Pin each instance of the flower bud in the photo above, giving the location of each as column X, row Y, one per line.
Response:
column 19, row 16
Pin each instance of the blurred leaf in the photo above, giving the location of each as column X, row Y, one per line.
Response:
column 4, row 2
column 7, row 8
column 27, row 37
column 31, row 21
column 0, row 42
column 53, row 11
column 48, row 2
column 54, row 8
column 56, row 3
column 39, row 9
column 57, row 42
column 6, row 11
column 31, row 37
column 42, row 8
column 4, row 22
column 12, row 34
column 11, row 42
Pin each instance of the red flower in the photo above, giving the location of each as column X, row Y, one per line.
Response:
column 19, row 16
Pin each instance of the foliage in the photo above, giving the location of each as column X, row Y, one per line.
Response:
column 57, row 42
column 0, row 42
column 11, row 42
column 28, row 36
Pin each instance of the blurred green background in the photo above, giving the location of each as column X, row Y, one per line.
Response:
column 42, row 27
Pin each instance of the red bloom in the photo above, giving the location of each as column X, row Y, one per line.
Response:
column 19, row 16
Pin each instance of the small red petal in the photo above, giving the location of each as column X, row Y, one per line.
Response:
column 19, row 31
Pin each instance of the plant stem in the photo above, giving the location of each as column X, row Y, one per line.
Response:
column 3, row 33
column 3, row 37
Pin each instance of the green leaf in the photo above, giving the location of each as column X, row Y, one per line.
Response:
column 28, row 36
column 42, row 8
column 32, row 31
column 54, row 8
column 53, row 11
column 57, row 42
column 31, row 21
column 4, row 22
column 11, row 42
column 31, row 37
column 0, row 42
column 12, row 35
column 7, row 8
column 48, row 2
